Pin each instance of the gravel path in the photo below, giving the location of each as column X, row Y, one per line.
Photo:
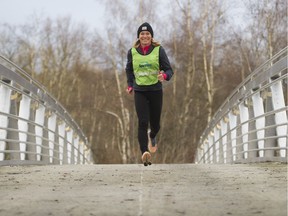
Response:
column 160, row 189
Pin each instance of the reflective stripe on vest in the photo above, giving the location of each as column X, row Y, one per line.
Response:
column 146, row 67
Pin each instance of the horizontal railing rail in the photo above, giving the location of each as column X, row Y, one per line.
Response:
column 34, row 127
column 251, row 125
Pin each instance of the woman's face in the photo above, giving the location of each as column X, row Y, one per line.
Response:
column 145, row 38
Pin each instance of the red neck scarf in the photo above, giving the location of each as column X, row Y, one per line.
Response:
column 145, row 49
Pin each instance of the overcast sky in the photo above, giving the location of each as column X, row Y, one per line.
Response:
column 88, row 11
column 19, row 11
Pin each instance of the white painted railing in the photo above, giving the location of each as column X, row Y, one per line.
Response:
column 34, row 127
column 251, row 125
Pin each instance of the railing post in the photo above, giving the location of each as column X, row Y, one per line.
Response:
column 56, row 159
column 217, row 145
column 39, row 120
column 270, row 130
column 76, row 150
column 61, row 131
column 244, row 117
column 51, row 135
column 206, row 155
column 13, row 135
column 5, row 104
column 233, row 133
column 24, row 113
column 81, row 149
column 252, row 137
column 258, row 110
column 31, row 137
column 224, row 138
column 278, row 102
column 45, row 141
column 69, row 145
column 211, row 146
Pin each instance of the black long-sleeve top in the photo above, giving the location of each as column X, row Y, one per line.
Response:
column 164, row 66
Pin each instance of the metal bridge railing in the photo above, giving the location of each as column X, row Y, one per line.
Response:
column 251, row 125
column 34, row 127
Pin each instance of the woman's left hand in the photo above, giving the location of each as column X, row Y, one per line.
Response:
column 161, row 76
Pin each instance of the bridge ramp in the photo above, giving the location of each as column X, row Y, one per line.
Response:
column 160, row 189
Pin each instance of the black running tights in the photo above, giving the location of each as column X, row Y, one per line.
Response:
column 148, row 106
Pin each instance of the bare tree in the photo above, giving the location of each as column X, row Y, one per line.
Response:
column 266, row 31
column 211, row 15
column 190, row 67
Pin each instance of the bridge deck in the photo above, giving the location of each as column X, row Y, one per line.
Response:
column 161, row 189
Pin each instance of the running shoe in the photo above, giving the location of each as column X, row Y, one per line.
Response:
column 146, row 158
column 152, row 145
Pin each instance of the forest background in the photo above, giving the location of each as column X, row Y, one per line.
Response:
column 85, row 69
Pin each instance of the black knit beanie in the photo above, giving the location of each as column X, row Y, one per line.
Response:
column 145, row 27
